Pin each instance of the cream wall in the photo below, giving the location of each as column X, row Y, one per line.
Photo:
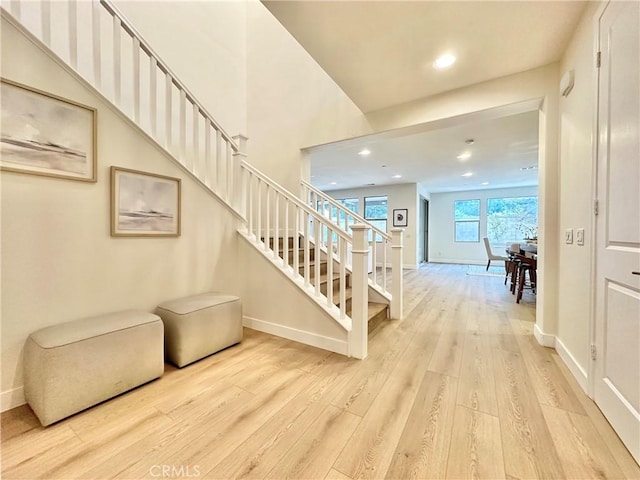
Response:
column 398, row 196
column 442, row 247
column 576, row 211
column 292, row 102
column 59, row 262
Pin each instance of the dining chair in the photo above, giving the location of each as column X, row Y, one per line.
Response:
column 491, row 256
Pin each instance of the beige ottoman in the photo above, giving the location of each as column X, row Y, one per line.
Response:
column 200, row 325
column 74, row 365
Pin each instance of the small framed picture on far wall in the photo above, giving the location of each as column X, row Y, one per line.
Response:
column 400, row 217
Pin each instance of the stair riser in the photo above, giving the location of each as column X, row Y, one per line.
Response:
column 291, row 253
column 323, row 268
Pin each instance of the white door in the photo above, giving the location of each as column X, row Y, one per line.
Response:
column 617, row 308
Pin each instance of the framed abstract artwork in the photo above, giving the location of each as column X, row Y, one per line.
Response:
column 400, row 217
column 144, row 204
column 46, row 135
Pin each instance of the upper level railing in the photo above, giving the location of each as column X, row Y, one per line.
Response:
column 95, row 40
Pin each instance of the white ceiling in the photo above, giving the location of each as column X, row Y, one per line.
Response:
column 381, row 53
column 502, row 148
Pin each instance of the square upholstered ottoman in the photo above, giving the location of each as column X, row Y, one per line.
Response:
column 197, row 326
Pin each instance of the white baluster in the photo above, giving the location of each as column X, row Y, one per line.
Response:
column 396, row 273
column 117, row 53
column 374, row 257
column 358, row 338
column 267, row 217
column 229, row 189
column 207, row 154
column 330, row 266
column 385, row 244
column 153, row 95
column 195, row 155
column 342, row 250
column 15, row 9
column 168, row 120
column 136, row 79
column 276, row 225
column 285, row 248
column 316, row 255
column 183, row 127
column 73, row 34
column 97, row 48
column 238, row 158
column 218, row 160
column 258, row 211
column 305, row 217
column 45, row 21
column 250, row 202
column 296, row 242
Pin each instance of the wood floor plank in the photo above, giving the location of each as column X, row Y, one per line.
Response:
column 257, row 408
column 502, row 335
column 35, row 443
column 526, row 441
column 424, row 445
column 550, row 385
column 476, row 446
column 336, row 475
column 477, row 388
column 205, row 446
column 622, row 456
column 370, row 450
column 582, row 452
column 259, row 454
column 313, row 455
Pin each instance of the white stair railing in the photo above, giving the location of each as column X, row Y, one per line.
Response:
column 287, row 231
column 386, row 253
column 98, row 43
column 95, row 40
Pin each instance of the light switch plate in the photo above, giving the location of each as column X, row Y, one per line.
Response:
column 580, row 236
column 568, row 236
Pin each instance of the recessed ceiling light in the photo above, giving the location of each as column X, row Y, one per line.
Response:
column 468, row 174
column 484, row 183
column 531, row 167
column 444, row 61
column 364, row 152
column 333, row 183
column 464, row 156
column 397, row 176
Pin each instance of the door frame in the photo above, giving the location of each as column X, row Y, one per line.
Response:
column 595, row 145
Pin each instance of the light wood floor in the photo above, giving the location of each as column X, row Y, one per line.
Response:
column 458, row 389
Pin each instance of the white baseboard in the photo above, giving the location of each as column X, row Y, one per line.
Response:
column 569, row 360
column 457, row 261
column 544, row 339
column 12, row 398
column 300, row 336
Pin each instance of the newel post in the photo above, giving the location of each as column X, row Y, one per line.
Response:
column 240, row 195
column 396, row 273
column 358, row 338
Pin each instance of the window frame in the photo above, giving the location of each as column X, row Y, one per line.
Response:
column 467, row 221
column 371, row 220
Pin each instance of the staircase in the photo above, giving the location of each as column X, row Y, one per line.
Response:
column 376, row 311
column 328, row 261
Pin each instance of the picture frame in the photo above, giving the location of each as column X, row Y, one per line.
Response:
column 400, row 217
column 144, row 204
column 46, row 135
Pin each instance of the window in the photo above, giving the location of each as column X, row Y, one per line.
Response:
column 375, row 212
column 467, row 220
column 509, row 220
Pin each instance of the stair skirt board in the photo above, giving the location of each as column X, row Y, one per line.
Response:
column 326, row 343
